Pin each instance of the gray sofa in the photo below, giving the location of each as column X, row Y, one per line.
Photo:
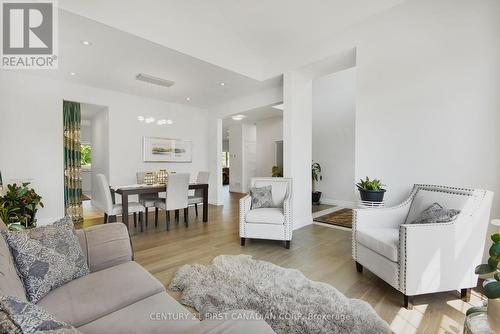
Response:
column 120, row 296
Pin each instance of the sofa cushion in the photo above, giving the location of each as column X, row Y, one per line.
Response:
column 10, row 283
column 47, row 257
column 159, row 313
column 266, row 216
column 22, row 317
column 262, row 197
column 425, row 198
column 100, row 293
column 384, row 241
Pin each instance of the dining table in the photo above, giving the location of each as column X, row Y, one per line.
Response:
column 139, row 189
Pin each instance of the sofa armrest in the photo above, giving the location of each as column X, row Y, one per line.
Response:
column 245, row 206
column 107, row 245
column 235, row 321
column 381, row 217
column 439, row 257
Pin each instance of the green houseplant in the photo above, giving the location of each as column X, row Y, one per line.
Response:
column 316, row 177
column 491, row 273
column 18, row 206
column 371, row 190
column 277, row 172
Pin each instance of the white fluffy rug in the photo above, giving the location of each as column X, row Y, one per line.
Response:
column 285, row 298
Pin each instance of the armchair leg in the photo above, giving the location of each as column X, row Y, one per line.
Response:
column 359, row 267
column 242, row 241
column 186, row 217
column 156, row 217
column 287, row 244
column 408, row 302
column 105, row 218
column 177, row 216
column 465, row 295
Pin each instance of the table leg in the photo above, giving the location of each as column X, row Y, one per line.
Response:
column 125, row 209
column 205, row 204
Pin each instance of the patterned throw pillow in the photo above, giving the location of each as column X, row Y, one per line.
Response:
column 436, row 214
column 262, row 197
column 21, row 317
column 47, row 257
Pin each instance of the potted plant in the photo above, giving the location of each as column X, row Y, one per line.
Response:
column 277, row 172
column 19, row 205
column 371, row 190
column 316, row 177
column 491, row 273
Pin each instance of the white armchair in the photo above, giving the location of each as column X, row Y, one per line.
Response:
column 268, row 223
column 424, row 258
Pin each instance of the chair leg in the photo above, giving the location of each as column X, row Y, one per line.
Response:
column 105, row 218
column 167, row 220
column 186, row 217
column 287, row 244
column 176, row 216
column 156, row 217
column 196, row 209
column 141, row 219
column 135, row 219
column 408, row 302
column 146, row 214
column 465, row 295
column 242, row 241
column 359, row 267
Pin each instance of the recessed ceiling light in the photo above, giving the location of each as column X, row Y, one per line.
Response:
column 72, row 74
column 278, row 106
column 238, row 117
column 222, row 83
column 86, row 43
column 169, row 122
column 149, row 120
column 188, row 99
column 140, row 118
column 162, row 122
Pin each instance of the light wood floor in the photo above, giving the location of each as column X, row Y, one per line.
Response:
column 321, row 253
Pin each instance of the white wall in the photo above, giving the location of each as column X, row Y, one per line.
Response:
column 249, row 154
column 333, row 135
column 236, row 158
column 268, row 132
column 31, row 112
column 100, row 153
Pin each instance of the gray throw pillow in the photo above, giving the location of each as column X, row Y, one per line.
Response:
column 436, row 214
column 262, row 197
column 22, row 317
column 47, row 257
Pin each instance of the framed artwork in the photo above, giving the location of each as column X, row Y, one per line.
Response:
column 157, row 149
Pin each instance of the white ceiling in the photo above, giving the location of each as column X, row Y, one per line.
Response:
column 251, row 116
column 240, row 35
column 115, row 58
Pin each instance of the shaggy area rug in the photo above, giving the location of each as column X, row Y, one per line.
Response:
column 285, row 298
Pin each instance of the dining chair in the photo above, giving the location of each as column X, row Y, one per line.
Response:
column 176, row 198
column 112, row 210
column 147, row 200
column 197, row 198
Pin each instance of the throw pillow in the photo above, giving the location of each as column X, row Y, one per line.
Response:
column 436, row 214
column 47, row 257
column 22, row 317
column 262, row 197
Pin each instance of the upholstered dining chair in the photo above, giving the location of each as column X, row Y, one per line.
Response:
column 424, row 258
column 112, row 210
column 273, row 223
column 197, row 198
column 176, row 198
column 147, row 200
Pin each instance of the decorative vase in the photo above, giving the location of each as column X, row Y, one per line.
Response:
column 162, row 176
column 494, row 314
column 150, row 178
column 372, row 195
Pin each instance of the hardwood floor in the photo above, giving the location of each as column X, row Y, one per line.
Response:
column 321, row 253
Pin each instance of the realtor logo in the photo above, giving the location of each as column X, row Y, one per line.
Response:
column 29, row 39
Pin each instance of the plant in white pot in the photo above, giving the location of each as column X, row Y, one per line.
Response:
column 491, row 273
column 316, row 177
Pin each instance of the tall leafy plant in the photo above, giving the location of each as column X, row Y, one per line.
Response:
column 316, row 174
column 491, row 269
column 19, row 205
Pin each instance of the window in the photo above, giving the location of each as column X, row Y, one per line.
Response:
column 225, row 159
column 86, row 155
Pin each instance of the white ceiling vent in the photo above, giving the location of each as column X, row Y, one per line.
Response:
column 154, row 80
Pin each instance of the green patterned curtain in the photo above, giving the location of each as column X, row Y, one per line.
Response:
column 72, row 167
